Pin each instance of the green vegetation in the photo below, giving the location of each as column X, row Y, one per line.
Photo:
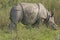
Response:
column 26, row 32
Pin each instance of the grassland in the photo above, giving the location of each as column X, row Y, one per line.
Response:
column 26, row 32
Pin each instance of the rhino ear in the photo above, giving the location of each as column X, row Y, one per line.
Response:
column 52, row 13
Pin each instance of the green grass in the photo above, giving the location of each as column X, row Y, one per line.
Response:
column 23, row 33
column 26, row 32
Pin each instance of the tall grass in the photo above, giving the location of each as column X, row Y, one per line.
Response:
column 26, row 32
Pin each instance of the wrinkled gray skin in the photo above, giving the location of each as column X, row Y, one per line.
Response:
column 30, row 13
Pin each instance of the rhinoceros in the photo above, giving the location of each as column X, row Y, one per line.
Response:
column 30, row 13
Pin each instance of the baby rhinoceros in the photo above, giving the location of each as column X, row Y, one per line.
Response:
column 30, row 13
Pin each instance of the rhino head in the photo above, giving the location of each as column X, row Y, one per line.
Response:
column 50, row 20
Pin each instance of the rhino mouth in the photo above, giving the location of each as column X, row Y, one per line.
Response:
column 53, row 25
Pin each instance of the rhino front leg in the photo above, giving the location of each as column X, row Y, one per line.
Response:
column 41, row 20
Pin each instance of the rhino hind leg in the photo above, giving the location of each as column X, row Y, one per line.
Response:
column 12, row 26
column 15, row 18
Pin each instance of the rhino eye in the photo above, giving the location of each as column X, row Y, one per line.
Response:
column 52, row 14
